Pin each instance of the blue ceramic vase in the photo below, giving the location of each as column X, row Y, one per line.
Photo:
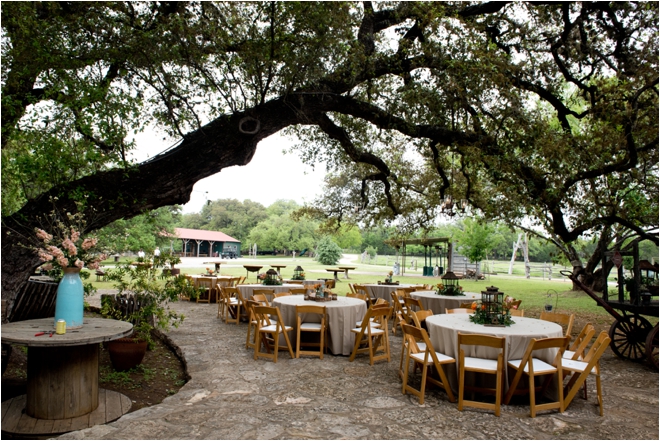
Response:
column 69, row 303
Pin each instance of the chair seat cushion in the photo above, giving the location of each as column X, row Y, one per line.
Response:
column 442, row 358
column 576, row 366
column 540, row 366
column 273, row 328
column 374, row 331
column 482, row 364
column 310, row 326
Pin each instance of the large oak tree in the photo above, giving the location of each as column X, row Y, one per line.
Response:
column 547, row 110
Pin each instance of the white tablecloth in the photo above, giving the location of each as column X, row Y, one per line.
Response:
column 437, row 304
column 247, row 290
column 342, row 315
column 384, row 291
column 443, row 331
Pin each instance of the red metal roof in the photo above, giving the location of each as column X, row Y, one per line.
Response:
column 215, row 236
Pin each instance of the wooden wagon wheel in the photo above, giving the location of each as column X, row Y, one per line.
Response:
column 629, row 337
column 652, row 347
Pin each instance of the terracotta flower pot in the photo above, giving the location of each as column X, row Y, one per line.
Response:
column 126, row 353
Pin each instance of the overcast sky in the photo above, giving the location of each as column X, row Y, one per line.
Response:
column 271, row 175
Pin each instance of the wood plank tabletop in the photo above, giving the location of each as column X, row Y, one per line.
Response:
column 94, row 330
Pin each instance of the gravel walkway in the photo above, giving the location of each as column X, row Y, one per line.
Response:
column 231, row 396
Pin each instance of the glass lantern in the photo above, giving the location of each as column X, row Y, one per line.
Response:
column 450, row 282
column 298, row 273
column 272, row 278
column 491, row 301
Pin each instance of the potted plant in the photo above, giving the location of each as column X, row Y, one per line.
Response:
column 143, row 301
column 170, row 259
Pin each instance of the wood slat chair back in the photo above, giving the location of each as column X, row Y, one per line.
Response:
column 533, row 367
column 480, row 365
column 281, row 294
column 357, row 295
column 372, row 339
column 295, row 282
column 427, row 357
column 261, row 299
column 566, row 320
column 581, row 369
column 298, row 291
column 465, row 305
column 308, row 326
column 330, row 284
column 268, row 292
column 266, row 327
column 459, row 311
column 517, row 312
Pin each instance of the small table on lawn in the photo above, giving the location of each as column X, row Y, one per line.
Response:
column 251, row 269
column 335, row 271
column 63, row 378
column 278, row 267
column 217, row 264
column 346, row 268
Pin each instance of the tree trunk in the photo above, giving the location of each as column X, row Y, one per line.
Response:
column 166, row 179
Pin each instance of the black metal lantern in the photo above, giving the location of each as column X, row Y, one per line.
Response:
column 450, row 282
column 491, row 301
column 272, row 278
column 298, row 273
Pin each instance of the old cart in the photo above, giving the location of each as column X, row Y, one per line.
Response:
column 633, row 336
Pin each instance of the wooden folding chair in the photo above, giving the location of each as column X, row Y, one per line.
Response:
column 467, row 305
column 234, row 304
column 358, row 295
column 373, row 339
column 298, row 291
column 400, row 313
column 517, row 312
column 417, row 317
column 459, row 311
column 361, row 289
column 265, row 326
column 205, row 283
column 281, row 294
column 426, row 357
column 581, row 369
column 252, row 324
column 480, row 365
column 311, row 327
column 561, row 319
column 533, row 367
column 577, row 347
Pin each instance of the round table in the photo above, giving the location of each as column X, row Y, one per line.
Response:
column 306, row 283
column 443, row 331
column 63, row 372
column 437, row 304
column 278, row 268
column 384, row 291
column 342, row 316
column 251, row 269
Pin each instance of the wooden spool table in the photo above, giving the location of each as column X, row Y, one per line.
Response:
column 63, row 378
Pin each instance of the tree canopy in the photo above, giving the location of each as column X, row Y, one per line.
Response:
column 531, row 110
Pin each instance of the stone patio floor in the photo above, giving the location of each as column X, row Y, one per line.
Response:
column 232, row 396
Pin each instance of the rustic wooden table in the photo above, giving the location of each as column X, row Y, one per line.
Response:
column 62, row 377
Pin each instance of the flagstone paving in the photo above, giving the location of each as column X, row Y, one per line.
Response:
column 232, row 396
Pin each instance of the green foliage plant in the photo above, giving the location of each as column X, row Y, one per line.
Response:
column 328, row 252
column 153, row 295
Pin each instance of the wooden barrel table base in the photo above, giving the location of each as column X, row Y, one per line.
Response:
column 62, row 376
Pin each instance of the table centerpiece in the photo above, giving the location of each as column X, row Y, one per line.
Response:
column 449, row 285
column 492, row 309
column 271, row 278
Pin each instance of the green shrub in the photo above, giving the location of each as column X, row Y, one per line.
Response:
column 328, row 252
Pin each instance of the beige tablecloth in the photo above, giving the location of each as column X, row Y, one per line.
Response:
column 437, row 304
column 384, row 291
column 342, row 315
column 246, row 290
column 307, row 283
column 443, row 331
